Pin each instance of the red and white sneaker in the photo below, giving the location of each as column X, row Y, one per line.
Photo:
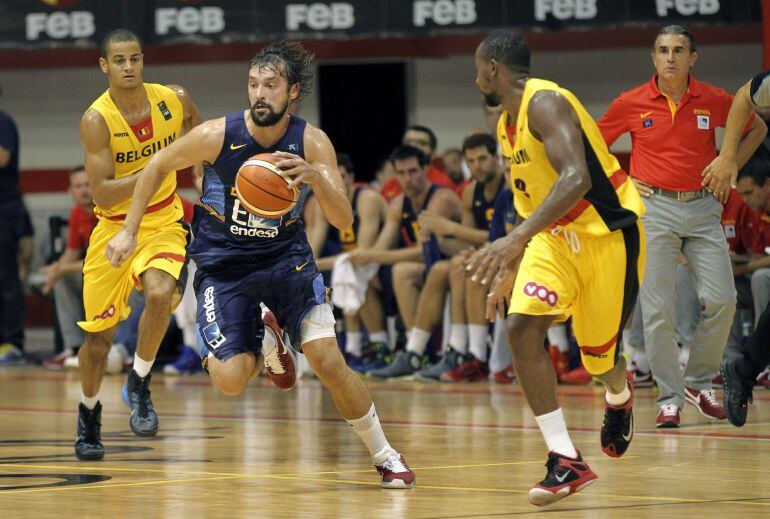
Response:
column 705, row 401
column 641, row 378
column 279, row 361
column 668, row 417
column 717, row 381
column 565, row 476
column 56, row 363
column 763, row 379
column 504, row 376
column 560, row 361
column 577, row 377
column 395, row 472
column 469, row 371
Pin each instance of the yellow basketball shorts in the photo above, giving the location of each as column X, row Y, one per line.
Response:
column 594, row 279
column 106, row 288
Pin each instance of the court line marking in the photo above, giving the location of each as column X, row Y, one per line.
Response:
column 89, row 486
column 212, row 476
column 425, row 425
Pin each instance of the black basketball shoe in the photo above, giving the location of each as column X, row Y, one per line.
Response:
column 89, row 443
column 136, row 395
column 618, row 426
column 565, row 477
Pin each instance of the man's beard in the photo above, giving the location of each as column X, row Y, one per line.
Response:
column 492, row 99
column 270, row 118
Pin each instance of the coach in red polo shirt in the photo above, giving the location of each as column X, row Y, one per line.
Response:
column 671, row 120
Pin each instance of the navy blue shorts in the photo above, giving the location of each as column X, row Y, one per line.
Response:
column 229, row 315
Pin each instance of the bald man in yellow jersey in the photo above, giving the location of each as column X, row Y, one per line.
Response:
column 120, row 132
column 579, row 252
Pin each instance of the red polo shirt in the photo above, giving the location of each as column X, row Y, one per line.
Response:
column 436, row 175
column 670, row 144
column 741, row 224
column 80, row 225
column 763, row 234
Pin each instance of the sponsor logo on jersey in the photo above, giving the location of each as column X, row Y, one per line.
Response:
column 122, row 157
column 541, row 292
column 164, row 110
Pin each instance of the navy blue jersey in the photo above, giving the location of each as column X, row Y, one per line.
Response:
column 504, row 217
column 410, row 226
column 344, row 240
column 226, row 236
column 482, row 208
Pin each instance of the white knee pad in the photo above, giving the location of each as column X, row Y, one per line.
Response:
column 318, row 323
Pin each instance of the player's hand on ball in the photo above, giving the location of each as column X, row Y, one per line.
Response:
column 297, row 169
column 120, row 248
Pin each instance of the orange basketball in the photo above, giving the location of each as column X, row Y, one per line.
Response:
column 262, row 188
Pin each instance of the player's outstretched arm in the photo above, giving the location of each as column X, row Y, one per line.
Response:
column 202, row 144
column 724, row 168
column 555, row 123
column 319, row 170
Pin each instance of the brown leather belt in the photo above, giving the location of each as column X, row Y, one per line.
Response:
column 682, row 196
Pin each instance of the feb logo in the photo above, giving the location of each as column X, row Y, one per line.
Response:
column 547, row 296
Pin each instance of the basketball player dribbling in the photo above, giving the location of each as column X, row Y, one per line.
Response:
column 244, row 260
column 579, row 251
column 120, row 132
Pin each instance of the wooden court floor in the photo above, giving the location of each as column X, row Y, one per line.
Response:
column 475, row 448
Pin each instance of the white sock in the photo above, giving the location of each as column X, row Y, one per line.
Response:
column 89, row 401
column 458, row 337
column 368, row 428
column 557, row 336
column 418, row 341
column 640, row 359
column 353, row 343
column 619, row 399
column 379, row 337
column 554, row 430
column 142, row 367
column 478, row 340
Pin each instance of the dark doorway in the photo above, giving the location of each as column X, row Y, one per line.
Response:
column 363, row 111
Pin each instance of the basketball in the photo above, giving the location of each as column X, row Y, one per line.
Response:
column 262, row 189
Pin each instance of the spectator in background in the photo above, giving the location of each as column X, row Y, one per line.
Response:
column 64, row 276
column 422, row 138
column 453, row 165
column 11, row 230
column 672, row 121
column 382, row 175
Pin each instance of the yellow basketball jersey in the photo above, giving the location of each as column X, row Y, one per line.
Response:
column 133, row 146
column 612, row 202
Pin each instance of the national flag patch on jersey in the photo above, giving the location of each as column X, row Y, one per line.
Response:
column 143, row 130
column 647, row 123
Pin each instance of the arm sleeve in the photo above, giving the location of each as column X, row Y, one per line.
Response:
column 614, row 123
column 760, row 89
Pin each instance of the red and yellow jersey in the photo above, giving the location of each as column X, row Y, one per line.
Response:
column 612, row 202
column 132, row 146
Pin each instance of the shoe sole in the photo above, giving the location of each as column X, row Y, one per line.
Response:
column 284, row 382
column 540, row 497
column 89, row 457
column 687, row 399
column 667, row 425
column 397, row 484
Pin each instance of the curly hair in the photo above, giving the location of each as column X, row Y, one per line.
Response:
column 290, row 59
